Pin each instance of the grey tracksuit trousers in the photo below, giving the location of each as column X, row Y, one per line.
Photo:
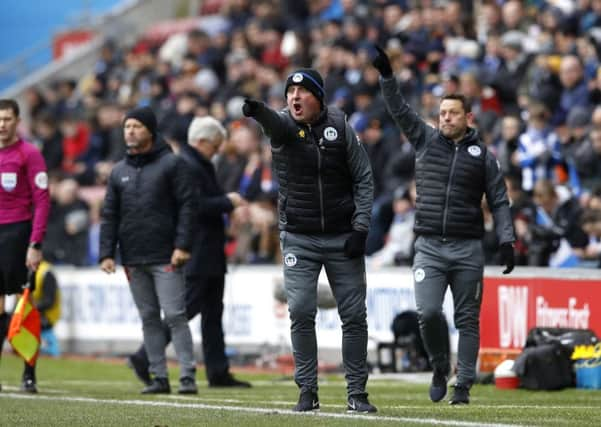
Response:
column 155, row 288
column 304, row 255
column 458, row 263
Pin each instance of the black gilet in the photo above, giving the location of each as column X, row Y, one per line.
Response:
column 315, row 184
column 450, row 180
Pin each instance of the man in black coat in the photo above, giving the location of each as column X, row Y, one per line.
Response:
column 205, row 272
column 149, row 212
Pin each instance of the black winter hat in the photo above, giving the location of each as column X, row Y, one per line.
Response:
column 144, row 115
column 308, row 78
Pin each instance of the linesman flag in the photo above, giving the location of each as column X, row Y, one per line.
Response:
column 25, row 328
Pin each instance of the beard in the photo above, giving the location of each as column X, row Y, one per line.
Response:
column 453, row 132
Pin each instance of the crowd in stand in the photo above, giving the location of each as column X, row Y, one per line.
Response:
column 531, row 70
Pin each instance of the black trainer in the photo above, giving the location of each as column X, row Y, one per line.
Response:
column 358, row 404
column 307, row 401
column 438, row 386
column 28, row 385
column 140, row 368
column 227, row 380
column 187, row 385
column 461, row 396
column 158, row 385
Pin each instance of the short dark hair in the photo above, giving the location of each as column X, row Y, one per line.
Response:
column 10, row 104
column 458, row 97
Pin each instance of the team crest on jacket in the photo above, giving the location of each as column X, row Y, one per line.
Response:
column 301, row 133
column 8, row 180
column 330, row 133
column 474, row 150
column 290, row 260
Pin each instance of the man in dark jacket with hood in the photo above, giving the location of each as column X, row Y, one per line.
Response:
column 325, row 198
column 453, row 170
column 148, row 211
column 205, row 271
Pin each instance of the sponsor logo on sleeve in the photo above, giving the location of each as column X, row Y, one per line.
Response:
column 41, row 180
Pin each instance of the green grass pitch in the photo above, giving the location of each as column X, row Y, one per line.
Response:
column 104, row 393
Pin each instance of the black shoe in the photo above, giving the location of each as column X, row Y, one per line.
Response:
column 307, row 401
column 187, row 385
column 358, row 404
column 28, row 385
column 438, row 387
column 461, row 396
column 228, row 380
column 158, row 385
column 140, row 367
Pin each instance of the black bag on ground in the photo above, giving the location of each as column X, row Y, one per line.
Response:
column 405, row 327
column 569, row 337
column 546, row 363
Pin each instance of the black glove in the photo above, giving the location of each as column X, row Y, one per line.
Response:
column 250, row 107
column 355, row 245
column 507, row 257
column 382, row 63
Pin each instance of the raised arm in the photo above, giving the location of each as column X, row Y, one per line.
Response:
column 274, row 123
column 413, row 126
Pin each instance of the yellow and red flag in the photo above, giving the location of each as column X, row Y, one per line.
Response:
column 25, row 328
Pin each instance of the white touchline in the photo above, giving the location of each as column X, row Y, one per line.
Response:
column 332, row 405
column 270, row 411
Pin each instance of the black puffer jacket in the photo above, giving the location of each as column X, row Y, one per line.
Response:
column 149, row 208
column 323, row 171
column 450, row 178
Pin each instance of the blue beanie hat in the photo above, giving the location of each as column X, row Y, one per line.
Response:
column 308, row 78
